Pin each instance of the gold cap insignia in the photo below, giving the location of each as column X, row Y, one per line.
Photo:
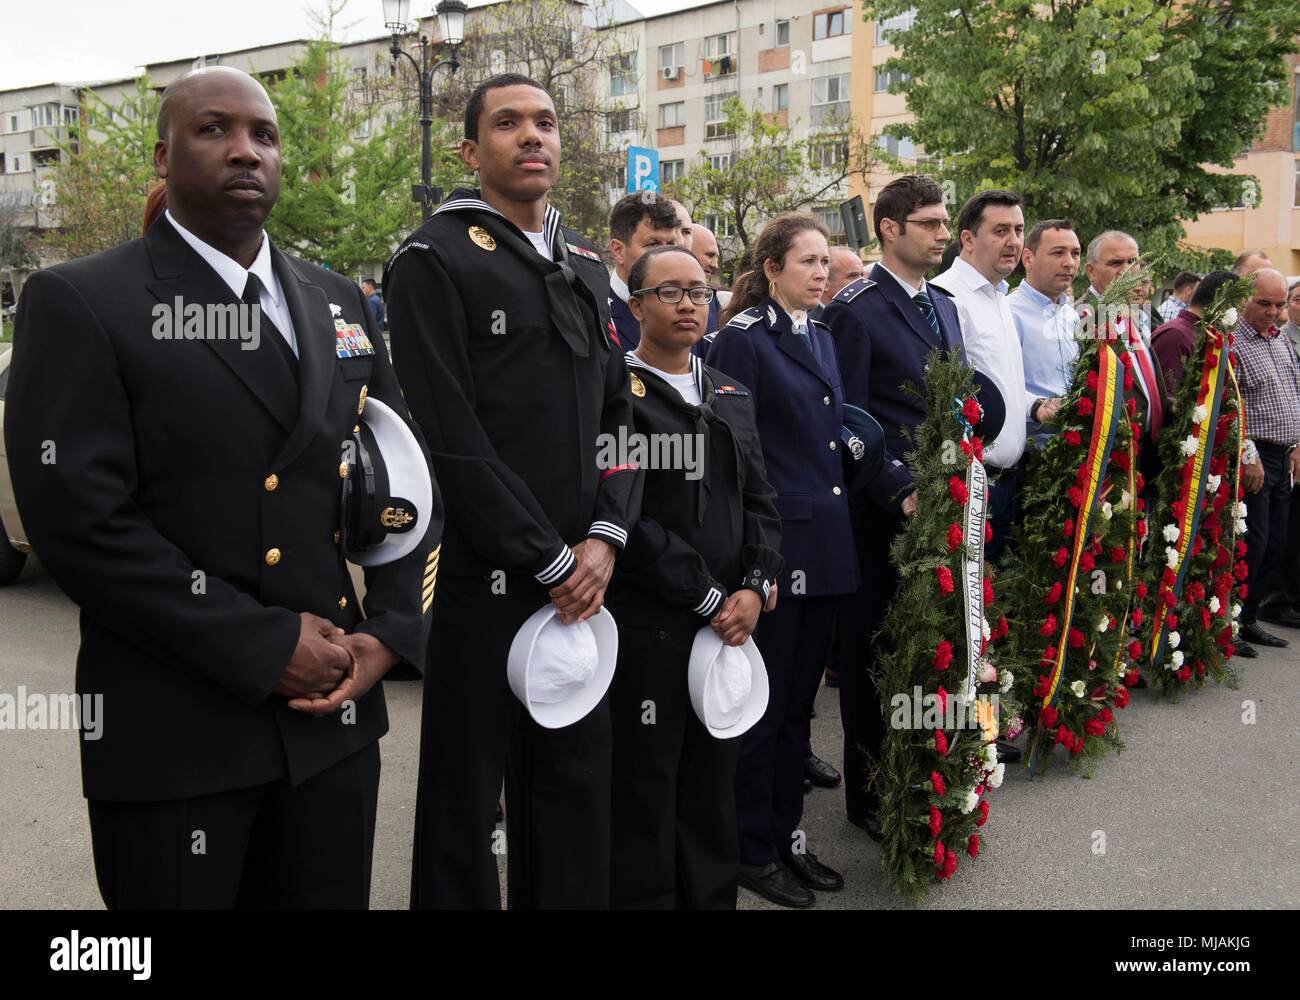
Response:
column 361, row 400
column 638, row 387
column 395, row 517
column 482, row 238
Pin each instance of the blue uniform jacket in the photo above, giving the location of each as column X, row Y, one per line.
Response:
column 799, row 403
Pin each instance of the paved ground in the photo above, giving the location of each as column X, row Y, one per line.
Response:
column 1201, row 811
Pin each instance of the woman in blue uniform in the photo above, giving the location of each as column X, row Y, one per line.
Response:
column 789, row 364
column 705, row 552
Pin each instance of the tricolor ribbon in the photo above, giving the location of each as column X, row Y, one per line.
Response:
column 1215, row 375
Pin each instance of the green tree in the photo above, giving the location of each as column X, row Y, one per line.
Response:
column 770, row 172
column 1106, row 111
column 104, row 174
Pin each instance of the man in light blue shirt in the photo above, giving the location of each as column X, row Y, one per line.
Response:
column 1045, row 322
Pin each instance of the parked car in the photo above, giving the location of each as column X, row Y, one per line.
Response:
column 13, row 542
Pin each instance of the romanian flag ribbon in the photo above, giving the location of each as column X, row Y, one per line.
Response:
column 1215, row 375
column 1107, row 414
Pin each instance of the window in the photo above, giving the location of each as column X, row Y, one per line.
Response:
column 70, row 116
column 13, row 122
column 717, row 46
column 782, row 33
column 719, row 161
column 829, row 216
column 17, row 167
column 904, row 149
column 44, row 157
column 721, row 225
column 2, row 163
column 830, row 98
column 830, row 24
column 829, row 155
column 672, row 56
column 45, row 115
column 899, row 22
column 672, row 115
column 885, row 79
column 715, row 119
column 620, row 178
column 781, row 97
column 621, row 120
column 671, row 170
column 622, row 74
column 1295, row 114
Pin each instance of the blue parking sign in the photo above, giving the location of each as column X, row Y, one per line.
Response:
column 642, row 169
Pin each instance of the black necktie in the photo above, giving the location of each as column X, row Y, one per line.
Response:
column 253, row 297
column 922, row 300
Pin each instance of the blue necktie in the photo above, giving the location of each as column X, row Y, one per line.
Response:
column 922, row 300
column 801, row 331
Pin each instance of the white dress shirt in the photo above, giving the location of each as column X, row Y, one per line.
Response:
column 538, row 240
column 619, row 287
column 235, row 275
column 993, row 346
column 912, row 291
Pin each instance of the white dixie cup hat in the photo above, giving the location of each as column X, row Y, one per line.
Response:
column 727, row 684
column 560, row 672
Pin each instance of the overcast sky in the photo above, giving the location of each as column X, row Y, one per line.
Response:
column 76, row 40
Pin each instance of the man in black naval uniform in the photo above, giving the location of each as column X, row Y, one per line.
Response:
column 183, row 488
column 507, row 356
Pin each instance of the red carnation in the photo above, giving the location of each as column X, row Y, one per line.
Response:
column 1141, row 591
column 1126, row 359
column 984, row 813
column 1040, row 689
column 1084, row 407
column 1095, row 727
column 1198, row 543
column 954, row 537
column 1240, row 550
column 1116, row 553
column 1240, row 571
column 1106, row 715
column 1131, row 406
column 988, row 591
column 966, row 448
column 973, row 845
column 1171, row 621
column 943, row 655
column 1179, row 507
column 1086, row 562
column 1168, row 598
column 938, row 854
column 1054, row 594
column 1200, row 669
column 957, row 490
column 1047, row 716
column 1073, row 438
column 1134, row 649
column 1241, row 591
column 1092, row 381
column 1140, row 483
column 936, row 821
column 1049, row 654
column 1131, row 678
column 1068, row 529
column 1142, row 529
column 1128, row 381
column 971, row 410
column 1120, row 458
column 949, row 865
column 979, row 448
column 1206, row 623
column 1168, row 577
column 941, row 742
column 1121, row 695
column 1063, row 736
column 1001, row 628
column 942, row 696
column 988, row 531
column 1076, row 638
column 1076, row 495
column 944, row 576
column 1185, row 674
column 1058, row 560
column 1137, row 616
column 936, row 782
column 1076, row 746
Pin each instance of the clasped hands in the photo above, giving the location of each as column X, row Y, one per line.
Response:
column 330, row 667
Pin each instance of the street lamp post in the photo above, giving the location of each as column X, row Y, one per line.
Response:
column 451, row 22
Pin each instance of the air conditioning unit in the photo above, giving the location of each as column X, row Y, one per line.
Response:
column 671, row 72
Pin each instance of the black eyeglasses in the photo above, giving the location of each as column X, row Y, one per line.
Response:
column 701, row 295
column 930, row 225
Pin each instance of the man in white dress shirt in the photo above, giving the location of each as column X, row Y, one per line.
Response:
column 991, row 228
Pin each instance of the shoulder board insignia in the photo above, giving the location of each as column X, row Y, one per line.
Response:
column 853, row 289
column 730, row 390
column 771, row 316
column 583, row 252
column 744, row 320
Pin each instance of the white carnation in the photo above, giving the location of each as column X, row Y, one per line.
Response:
column 1230, row 318
column 1007, row 678
column 1214, row 605
column 1236, row 628
column 1078, row 688
column 995, row 777
column 1107, row 511
column 970, row 802
column 1239, row 509
column 1125, row 499
column 1190, row 445
column 984, row 628
column 1171, row 532
column 1199, row 414
column 1174, row 640
column 1212, row 484
column 1103, row 624
column 990, row 754
column 1171, row 557
column 1177, row 658
column 1239, row 526
column 1236, row 611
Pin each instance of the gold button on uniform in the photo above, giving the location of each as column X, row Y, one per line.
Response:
column 343, row 602
column 826, row 400
column 271, row 482
column 835, row 490
column 833, row 446
column 272, row 556
column 343, row 470
column 337, row 536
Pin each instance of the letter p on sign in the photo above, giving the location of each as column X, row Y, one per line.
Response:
column 642, row 169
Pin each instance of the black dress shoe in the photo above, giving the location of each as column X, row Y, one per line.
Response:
column 1280, row 614
column 1256, row 636
column 820, row 773
column 1247, row 650
column 870, row 823
column 1007, row 752
column 777, row 884
column 812, row 873
column 807, row 786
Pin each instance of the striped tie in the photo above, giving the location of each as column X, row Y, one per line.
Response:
column 922, row 300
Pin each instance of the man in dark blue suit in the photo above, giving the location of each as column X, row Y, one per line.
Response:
column 884, row 327
column 637, row 222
